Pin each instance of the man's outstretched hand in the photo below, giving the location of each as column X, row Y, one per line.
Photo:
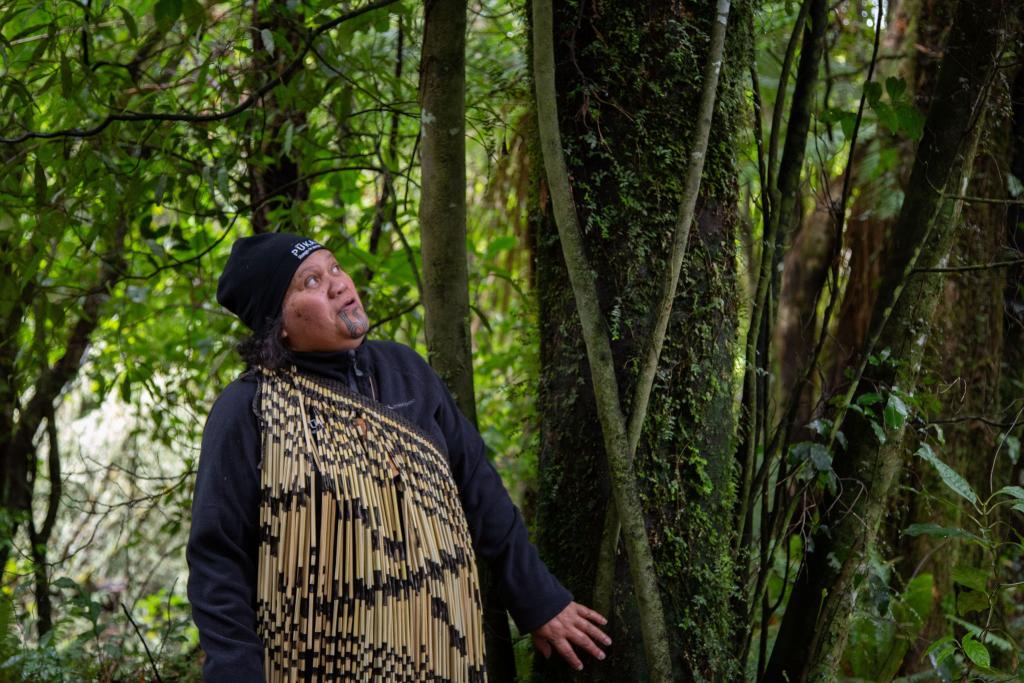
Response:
column 575, row 625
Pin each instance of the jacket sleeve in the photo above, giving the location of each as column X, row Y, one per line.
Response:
column 223, row 542
column 530, row 593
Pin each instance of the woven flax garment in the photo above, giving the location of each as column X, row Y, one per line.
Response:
column 366, row 568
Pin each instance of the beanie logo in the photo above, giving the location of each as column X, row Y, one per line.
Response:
column 304, row 249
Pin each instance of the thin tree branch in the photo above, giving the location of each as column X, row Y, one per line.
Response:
column 985, row 200
column 976, row 266
column 145, row 645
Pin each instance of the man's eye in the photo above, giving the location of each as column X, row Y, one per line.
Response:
column 312, row 281
column 335, row 269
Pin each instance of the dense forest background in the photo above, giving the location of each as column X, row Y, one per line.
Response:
column 734, row 293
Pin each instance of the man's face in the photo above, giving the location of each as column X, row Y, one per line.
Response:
column 321, row 309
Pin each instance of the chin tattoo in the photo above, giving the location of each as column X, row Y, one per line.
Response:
column 356, row 325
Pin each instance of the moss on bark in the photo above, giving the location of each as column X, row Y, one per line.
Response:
column 629, row 77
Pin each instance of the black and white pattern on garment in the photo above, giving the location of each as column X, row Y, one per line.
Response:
column 366, row 568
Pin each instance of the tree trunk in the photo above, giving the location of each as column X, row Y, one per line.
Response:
column 1013, row 347
column 39, row 538
column 805, row 269
column 625, row 75
column 962, row 368
column 443, row 246
column 443, row 198
column 1012, row 388
column 815, row 627
column 275, row 179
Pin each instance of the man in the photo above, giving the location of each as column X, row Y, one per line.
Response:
column 342, row 500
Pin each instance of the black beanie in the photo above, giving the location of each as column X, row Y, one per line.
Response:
column 258, row 273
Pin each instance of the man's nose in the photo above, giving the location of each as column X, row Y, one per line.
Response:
column 337, row 285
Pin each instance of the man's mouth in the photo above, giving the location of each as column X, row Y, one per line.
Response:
column 349, row 306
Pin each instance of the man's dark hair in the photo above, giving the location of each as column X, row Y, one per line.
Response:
column 265, row 349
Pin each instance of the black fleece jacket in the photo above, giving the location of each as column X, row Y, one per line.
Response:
column 224, row 538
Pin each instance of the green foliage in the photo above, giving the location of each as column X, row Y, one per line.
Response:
column 160, row 202
column 880, row 638
column 89, row 643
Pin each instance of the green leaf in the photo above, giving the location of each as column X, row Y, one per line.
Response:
column 879, row 432
column 267, row 36
column 896, row 87
column 971, row 601
column 887, row 116
column 500, row 244
column 944, row 640
column 941, row 649
column 194, row 13
column 67, row 82
column 39, row 181
column 65, row 582
column 289, row 136
column 846, row 119
column 1014, row 491
column 816, row 453
column 932, row 529
column 126, row 389
column 166, row 12
column 1014, row 186
column 41, row 47
column 987, row 637
column 821, row 458
column 895, row 412
column 869, row 399
column 949, row 476
column 909, row 121
column 873, row 91
column 129, row 22
column 222, row 183
column 972, row 577
column 1012, row 448
column 975, row 651
column 916, row 601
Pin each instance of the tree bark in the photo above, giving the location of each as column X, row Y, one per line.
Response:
column 443, row 198
column 624, row 75
column 1012, row 376
column 38, row 538
column 962, row 368
column 815, row 627
column 443, row 247
column 805, row 270
column 920, row 30
column 18, row 451
column 804, row 273
column 273, row 164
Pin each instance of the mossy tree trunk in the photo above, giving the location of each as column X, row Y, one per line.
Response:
column 627, row 77
column 815, row 626
column 1013, row 309
column 962, row 369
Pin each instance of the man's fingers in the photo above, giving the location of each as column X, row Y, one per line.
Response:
column 543, row 646
column 593, row 616
column 595, row 633
column 565, row 649
column 581, row 639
